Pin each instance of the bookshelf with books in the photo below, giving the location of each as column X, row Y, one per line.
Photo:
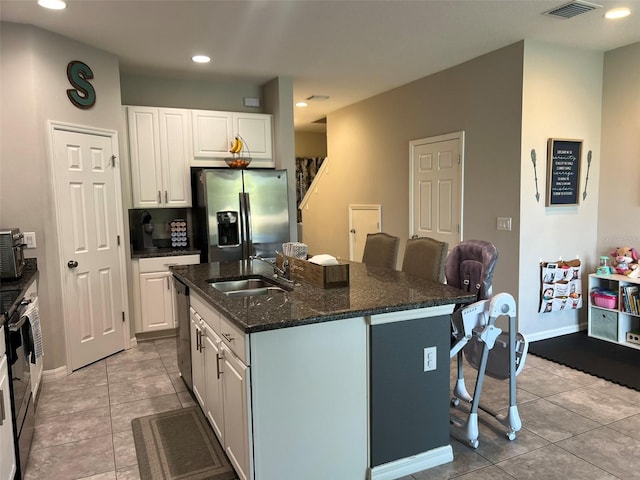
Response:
column 614, row 309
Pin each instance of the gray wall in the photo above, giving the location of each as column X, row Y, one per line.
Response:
column 619, row 206
column 368, row 147
column 33, row 88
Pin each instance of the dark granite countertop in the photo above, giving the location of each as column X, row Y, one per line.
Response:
column 164, row 252
column 371, row 291
column 14, row 290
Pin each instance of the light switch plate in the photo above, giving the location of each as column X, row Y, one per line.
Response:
column 430, row 359
column 30, row 239
column 504, row 223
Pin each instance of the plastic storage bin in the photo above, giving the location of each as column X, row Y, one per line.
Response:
column 605, row 299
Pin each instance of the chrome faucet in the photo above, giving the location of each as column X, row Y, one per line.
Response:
column 282, row 273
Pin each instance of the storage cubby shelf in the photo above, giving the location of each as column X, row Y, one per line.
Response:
column 613, row 324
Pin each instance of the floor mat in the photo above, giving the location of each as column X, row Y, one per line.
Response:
column 179, row 444
column 603, row 359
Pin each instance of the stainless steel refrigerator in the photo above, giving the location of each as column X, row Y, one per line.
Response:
column 238, row 213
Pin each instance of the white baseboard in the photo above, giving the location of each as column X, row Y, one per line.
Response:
column 407, row 466
column 556, row 332
column 55, row 374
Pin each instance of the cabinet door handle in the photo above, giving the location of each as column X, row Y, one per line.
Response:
column 166, row 197
column 2, row 412
column 228, row 337
column 218, row 358
column 159, row 196
column 198, row 340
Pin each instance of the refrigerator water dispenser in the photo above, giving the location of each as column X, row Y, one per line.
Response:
column 228, row 229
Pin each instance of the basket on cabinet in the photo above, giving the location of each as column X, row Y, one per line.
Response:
column 604, row 299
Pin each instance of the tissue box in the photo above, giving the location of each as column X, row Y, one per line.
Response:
column 323, row 276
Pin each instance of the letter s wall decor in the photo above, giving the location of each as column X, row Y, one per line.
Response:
column 83, row 95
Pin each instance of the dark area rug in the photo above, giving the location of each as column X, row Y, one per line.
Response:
column 179, row 445
column 607, row 360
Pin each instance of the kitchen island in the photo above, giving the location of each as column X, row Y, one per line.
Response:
column 347, row 383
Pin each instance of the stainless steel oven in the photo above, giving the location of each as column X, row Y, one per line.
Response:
column 19, row 345
column 11, row 253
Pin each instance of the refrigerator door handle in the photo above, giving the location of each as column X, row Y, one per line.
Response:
column 245, row 230
column 249, row 232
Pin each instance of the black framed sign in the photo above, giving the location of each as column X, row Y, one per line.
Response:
column 563, row 171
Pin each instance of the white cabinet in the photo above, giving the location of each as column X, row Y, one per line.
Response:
column 221, row 381
column 160, row 151
column 213, row 132
column 613, row 309
column 157, row 301
column 154, row 298
column 236, row 419
column 7, row 452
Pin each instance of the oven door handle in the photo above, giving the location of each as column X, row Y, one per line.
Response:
column 14, row 327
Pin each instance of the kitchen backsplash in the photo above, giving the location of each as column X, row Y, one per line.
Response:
column 161, row 220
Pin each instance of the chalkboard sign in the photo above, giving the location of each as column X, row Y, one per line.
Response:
column 563, row 172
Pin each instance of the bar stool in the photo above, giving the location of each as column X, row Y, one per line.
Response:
column 425, row 257
column 380, row 250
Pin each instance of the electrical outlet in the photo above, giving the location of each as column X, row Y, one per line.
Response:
column 30, row 239
column 430, row 354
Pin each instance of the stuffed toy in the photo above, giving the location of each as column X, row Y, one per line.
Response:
column 625, row 261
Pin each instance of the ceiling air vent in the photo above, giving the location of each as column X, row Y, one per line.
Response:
column 572, row 9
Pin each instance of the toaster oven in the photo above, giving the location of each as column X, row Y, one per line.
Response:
column 11, row 253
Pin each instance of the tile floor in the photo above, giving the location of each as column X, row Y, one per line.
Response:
column 575, row 426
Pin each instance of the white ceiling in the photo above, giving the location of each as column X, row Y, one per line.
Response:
column 349, row 50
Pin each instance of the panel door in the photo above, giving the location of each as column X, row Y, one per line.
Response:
column 156, row 300
column 175, row 155
column 89, row 230
column 236, row 418
column 144, row 149
column 363, row 219
column 436, row 202
column 213, row 380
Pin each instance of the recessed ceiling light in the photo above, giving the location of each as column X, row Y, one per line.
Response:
column 52, row 4
column 301, row 104
column 200, row 59
column 616, row 13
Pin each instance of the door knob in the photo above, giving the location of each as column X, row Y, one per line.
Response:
column 72, row 264
column 353, row 230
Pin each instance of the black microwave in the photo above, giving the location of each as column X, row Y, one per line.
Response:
column 11, row 253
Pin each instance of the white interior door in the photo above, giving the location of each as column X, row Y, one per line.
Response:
column 436, row 187
column 363, row 219
column 87, row 196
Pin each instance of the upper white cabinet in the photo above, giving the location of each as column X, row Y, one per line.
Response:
column 214, row 131
column 160, row 149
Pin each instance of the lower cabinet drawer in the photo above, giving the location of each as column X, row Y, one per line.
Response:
column 604, row 324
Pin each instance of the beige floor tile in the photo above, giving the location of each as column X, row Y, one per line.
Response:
column 125, row 449
column 608, row 449
column 71, row 427
column 138, row 353
column 73, row 401
column 122, row 414
column 553, row 463
column 124, row 371
column 464, row 460
column 89, row 376
column 595, row 404
column 139, row 388
column 128, row 473
column 487, row 473
column 72, row 460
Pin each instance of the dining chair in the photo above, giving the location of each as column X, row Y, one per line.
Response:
column 380, row 250
column 425, row 257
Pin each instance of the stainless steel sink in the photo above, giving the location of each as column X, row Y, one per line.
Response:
column 246, row 287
